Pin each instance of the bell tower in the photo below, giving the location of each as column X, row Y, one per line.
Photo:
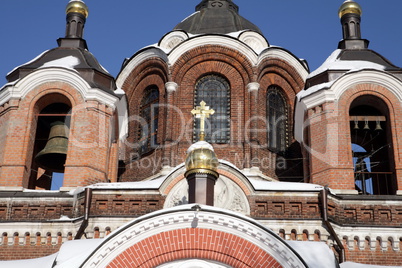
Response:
column 58, row 116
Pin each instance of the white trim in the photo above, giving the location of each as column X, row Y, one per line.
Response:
column 41, row 76
column 171, row 87
column 318, row 95
column 277, row 52
column 148, row 53
column 253, row 86
column 183, row 217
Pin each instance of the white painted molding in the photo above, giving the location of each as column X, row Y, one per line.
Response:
column 280, row 53
column 173, row 39
column 55, row 74
column 147, row 53
column 337, row 88
column 183, row 217
column 171, row 87
column 255, row 40
column 253, row 86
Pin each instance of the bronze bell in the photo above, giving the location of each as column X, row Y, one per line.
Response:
column 53, row 156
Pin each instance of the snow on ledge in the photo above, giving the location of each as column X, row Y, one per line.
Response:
column 358, row 265
column 284, row 186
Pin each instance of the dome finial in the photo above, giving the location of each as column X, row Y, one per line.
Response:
column 349, row 7
column 77, row 6
column 201, row 163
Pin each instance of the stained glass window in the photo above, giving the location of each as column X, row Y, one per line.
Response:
column 148, row 129
column 215, row 91
column 277, row 117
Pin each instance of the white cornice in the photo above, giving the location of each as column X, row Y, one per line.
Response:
column 277, row 52
column 334, row 91
column 147, row 53
column 20, row 89
column 185, row 216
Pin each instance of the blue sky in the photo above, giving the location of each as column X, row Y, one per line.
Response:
column 115, row 30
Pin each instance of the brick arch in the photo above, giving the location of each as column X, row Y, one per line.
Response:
column 390, row 101
column 24, row 129
column 283, row 70
column 207, row 53
column 200, row 232
column 151, row 72
column 151, row 66
column 184, row 98
column 194, row 243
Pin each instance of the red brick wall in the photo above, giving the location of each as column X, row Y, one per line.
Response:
column 329, row 137
column 88, row 155
column 175, row 135
column 194, row 243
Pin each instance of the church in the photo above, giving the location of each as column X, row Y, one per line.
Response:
column 211, row 148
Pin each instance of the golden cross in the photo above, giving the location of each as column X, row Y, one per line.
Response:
column 202, row 112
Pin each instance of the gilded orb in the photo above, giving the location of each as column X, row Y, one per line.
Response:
column 349, row 7
column 201, row 158
column 77, row 6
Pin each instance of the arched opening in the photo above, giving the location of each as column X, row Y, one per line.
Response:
column 51, row 144
column 215, row 91
column 371, row 140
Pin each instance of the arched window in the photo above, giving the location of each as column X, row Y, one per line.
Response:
column 277, row 120
column 148, row 129
column 215, row 91
column 371, row 146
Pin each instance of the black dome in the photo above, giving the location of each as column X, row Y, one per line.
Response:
column 216, row 17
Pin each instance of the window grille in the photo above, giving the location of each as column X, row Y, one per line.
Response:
column 215, row 91
column 148, row 129
column 277, row 120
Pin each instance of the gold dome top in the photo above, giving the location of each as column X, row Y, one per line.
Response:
column 77, row 6
column 349, row 7
column 201, row 158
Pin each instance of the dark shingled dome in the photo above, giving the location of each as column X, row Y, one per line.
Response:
column 216, row 17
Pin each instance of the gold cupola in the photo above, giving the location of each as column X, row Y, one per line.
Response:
column 77, row 6
column 201, row 158
column 201, row 163
column 350, row 7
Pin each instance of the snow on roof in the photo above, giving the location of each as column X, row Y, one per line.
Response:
column 73, row 253
column 315, row 254
column 67, row 62
column 333, row 63
column 29, row 62
column 358, row 265
column 200, row 145
column 314, row 89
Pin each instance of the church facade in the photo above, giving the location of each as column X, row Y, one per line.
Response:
column 211, row 148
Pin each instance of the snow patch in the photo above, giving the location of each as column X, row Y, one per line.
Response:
column 314, row 89
column 358, row 265
column 67, row 62
column 29, row 62
column 315, row 254
column 333, row 63
column 284, row 186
